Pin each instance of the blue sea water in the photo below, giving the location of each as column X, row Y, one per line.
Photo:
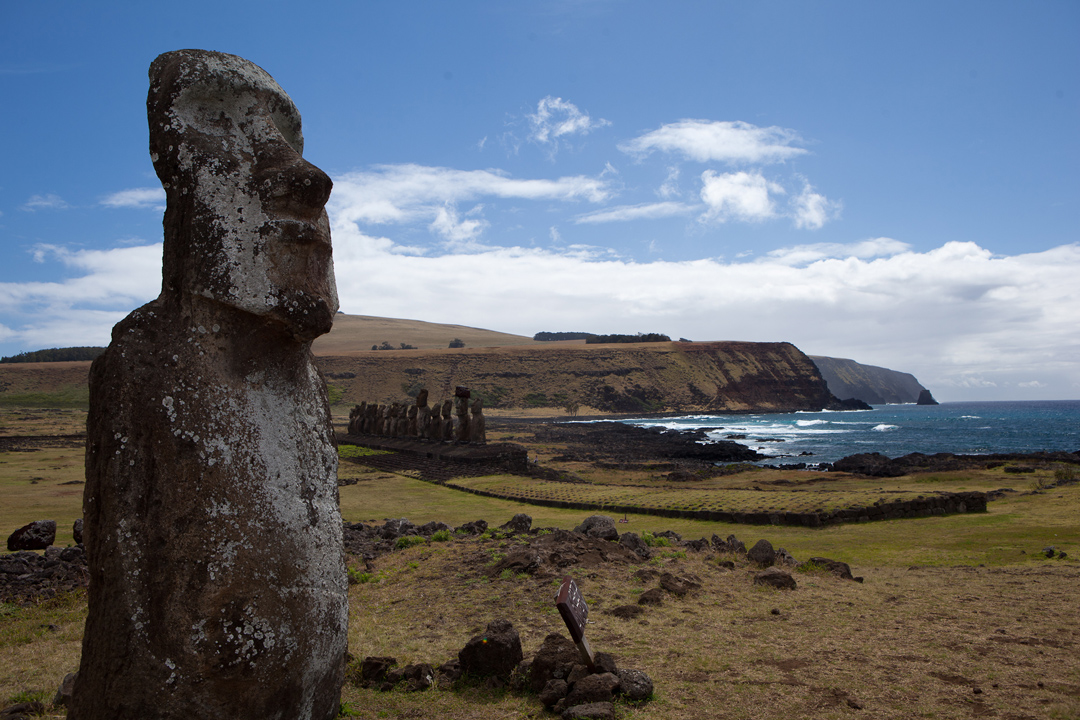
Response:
column 894, row 430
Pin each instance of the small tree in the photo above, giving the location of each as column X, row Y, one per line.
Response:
column 457, row 343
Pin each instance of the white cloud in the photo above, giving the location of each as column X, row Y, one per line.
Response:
column 805, row 254
column 812, row 210
column 456, row 231
column 410, row 193
column 556, row 118
column 142, row 198
column 732, row 142
column 645, row 211
column 45, row 202
column 737, row 196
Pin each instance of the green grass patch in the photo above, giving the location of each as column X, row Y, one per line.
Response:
column 358, row 451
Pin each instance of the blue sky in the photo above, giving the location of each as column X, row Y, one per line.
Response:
column 893, row 183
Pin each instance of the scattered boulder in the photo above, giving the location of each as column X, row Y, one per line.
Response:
column 594, row 688
column 626, row 612
column 429, row 529
column 393, row 529
column 27, row 577
column 520, row 524
column 590, row 711
column 731, row 545
column 554, row 661
column 63, row 693
column 635, row 685
column 37, row 535
column 599, row 526
column 783, row 557
column 671, row 535
column 652, row 597
column 775, row 577
column 678, row 585
column 476, row 527
column 518, row 560
column 76, row 531
column 494, row 653
column 840, row 569
column 554, row 690
column 416, row 677
column 373, row 671
column 632, row 541
column 762, row 553
column 696, row 545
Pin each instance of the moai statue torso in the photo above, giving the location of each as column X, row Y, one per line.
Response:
column 213, row 537
column 448, row 421
column 423, row 415
column 411, row 430
column 461, row 409
column 477, row 424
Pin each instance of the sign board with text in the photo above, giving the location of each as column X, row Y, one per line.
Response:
column 575, row 613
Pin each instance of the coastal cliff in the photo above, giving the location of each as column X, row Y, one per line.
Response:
column 871, row 384
column 639, row 378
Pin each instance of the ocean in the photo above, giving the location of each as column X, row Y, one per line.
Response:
column 893, row 430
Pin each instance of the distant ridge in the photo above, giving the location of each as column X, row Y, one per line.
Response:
column 869, row 383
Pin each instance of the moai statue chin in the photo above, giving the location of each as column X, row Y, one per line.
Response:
column 212, row 530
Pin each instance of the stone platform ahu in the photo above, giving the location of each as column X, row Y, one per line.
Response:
column 217, row 578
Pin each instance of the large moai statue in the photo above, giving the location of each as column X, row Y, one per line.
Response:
column 448, row 420
column 412, row 429
column 217, row 578
column 478, row 424
column 423, row 415
column 461, row 408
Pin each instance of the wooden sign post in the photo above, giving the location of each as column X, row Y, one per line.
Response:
column 575, row 613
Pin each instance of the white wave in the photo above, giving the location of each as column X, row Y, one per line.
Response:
column 808, row 423
column 884, row 428
column 970, row 417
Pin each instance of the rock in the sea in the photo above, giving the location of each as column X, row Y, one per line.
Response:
column 37, row 535
column 214, row 539
column 493, row 653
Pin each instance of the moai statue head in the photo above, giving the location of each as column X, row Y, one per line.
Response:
column 421, row 398
column 448, row 408
column 478, row 407
column 412, row 411
column 245, row 224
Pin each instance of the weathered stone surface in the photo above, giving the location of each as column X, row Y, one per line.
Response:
column 679, row 585
column 775, row 577
column 518, row 560
column 554, row 691
column 632, row 541
column 518, row 525
column 477, row 423
column 762, row 553
column 635, row 685
column 651, row 597
column 840, row 569
column 37, row 535
column 598, row 526
column 590, row 711
column 374, row 670
column 76, row 531
column 592, row 688
column 217, row 578
column 786, row 559
column 554, row 660
column 494, row 653
column 63, row 693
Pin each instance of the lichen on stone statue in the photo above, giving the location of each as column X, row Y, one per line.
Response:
column 212, row 527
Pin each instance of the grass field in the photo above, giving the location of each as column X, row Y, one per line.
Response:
column 959, row 616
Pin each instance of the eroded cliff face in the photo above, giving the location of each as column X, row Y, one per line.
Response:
column 653, row 377
column 869, row 383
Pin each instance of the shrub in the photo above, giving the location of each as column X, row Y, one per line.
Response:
column 654, row 541
column 440, row 536
column 407, row 541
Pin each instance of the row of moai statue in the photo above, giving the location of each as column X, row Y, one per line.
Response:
column 436, row 423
